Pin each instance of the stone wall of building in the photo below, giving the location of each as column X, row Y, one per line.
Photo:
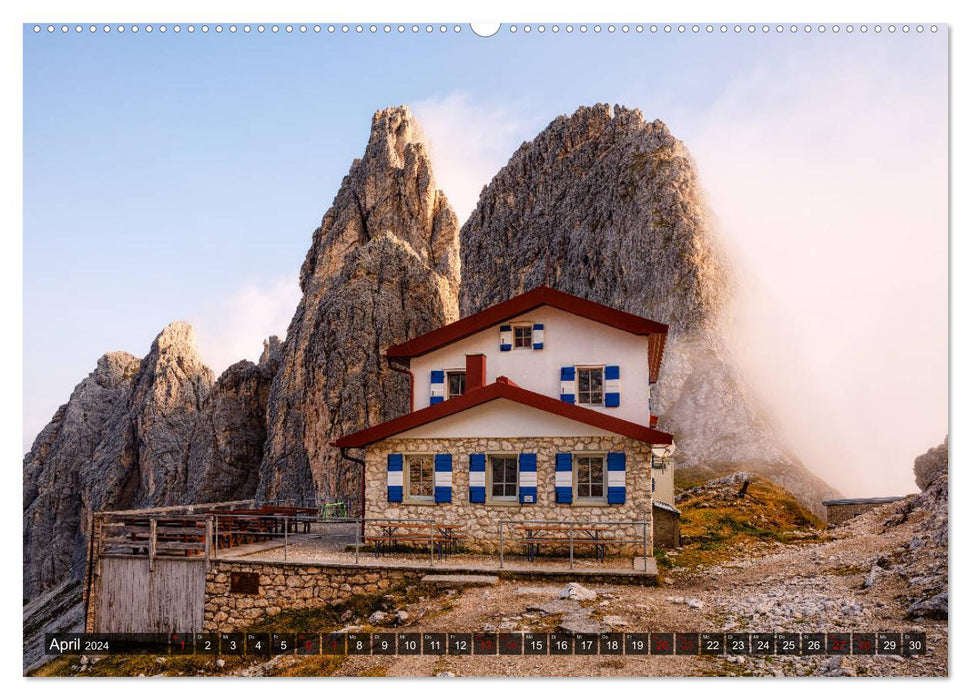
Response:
column 280, row 586
column 480, row 521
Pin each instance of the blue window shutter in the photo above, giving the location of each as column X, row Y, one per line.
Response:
column 505, row 338
column 537, row 336
column 396, row 475
column 477, row 474
column 564, row 477
column 527, row 477
column 616, row 478
column 436, row 387
column 443, row 478
column 611, row 386
column 568, row 384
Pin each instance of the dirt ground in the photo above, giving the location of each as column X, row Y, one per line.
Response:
column 770, row 587
column 841, row 580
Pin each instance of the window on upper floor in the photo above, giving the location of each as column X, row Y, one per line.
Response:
column 454, row 383
column 522, row 336
column 590, row 386
column 503, row 477
column 419, row 477
column 589, row 477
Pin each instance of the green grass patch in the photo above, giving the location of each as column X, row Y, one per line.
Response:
column 717, row 526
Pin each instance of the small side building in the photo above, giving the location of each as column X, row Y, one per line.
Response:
column 842, row 509
column 667, row 525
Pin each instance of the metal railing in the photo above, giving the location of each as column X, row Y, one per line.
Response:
column 232, row 531
column 210, row 535
column 350, row 505
column 574, row 527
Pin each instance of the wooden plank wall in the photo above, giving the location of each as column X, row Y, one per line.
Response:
column 130, row 598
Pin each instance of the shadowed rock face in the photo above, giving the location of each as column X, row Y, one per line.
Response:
column 142, row 460
column 226, row 448
column 53, row 472
column 608, row 207
column 137, row 433
column 120, row 442
column 382, row 268
column 922, row 563
column 931, row 465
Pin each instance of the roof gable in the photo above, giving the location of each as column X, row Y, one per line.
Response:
column 533, row 299
column 502, row 388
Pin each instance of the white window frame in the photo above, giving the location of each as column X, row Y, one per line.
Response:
column 517, row 326
column 406, row 481
column 603, row 393
column 598, row 500
column 450, row 372
column 501, row 499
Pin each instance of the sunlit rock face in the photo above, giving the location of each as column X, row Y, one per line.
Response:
column 383, row 267
column 606, row 205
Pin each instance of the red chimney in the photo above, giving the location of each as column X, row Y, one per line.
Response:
column 475, row 372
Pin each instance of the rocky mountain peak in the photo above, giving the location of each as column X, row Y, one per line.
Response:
column 178, row 336
column 391, row 188
column 393, row 131
column 272, row 350
column 115, row 367
column 607, row 206
column 382, row 267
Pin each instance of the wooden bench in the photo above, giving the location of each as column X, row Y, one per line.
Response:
column 559, row 535
column 443, row 538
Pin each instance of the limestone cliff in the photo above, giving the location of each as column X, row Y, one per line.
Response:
column 137, row 433
column 382, row 267
column 607, row 206
column 226, row 447
column 53, row 541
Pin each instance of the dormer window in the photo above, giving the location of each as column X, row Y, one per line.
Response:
column 523, row 336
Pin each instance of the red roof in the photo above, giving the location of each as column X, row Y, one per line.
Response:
column 503, row 388
column 540, row 296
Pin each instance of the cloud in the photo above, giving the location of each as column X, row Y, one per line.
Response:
column 232, row 328
column 469, row 142
column 828, row 178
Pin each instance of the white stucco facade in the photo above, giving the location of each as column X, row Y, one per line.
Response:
column 568, row 341
column 504, row 419
column 664, row 484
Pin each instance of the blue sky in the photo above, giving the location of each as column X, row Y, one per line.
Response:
column 180, row 177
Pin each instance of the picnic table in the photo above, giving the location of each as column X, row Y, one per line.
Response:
column 258, row 524
column 537, row 534
column 443, row 538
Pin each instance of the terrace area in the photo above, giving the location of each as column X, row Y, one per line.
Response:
column 250, row 532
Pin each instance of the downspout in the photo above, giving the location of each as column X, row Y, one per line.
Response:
column 411, row 381
column 357, row 460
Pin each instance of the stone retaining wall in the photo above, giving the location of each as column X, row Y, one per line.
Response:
column 840, row 513
column 289, row 587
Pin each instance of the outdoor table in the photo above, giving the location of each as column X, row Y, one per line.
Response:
column 588, row 534
column 443, row 538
